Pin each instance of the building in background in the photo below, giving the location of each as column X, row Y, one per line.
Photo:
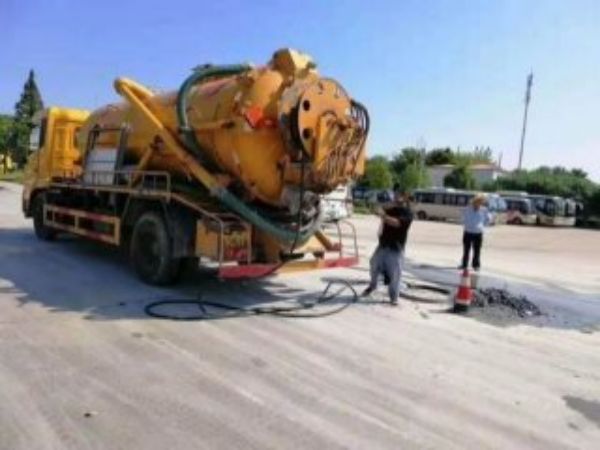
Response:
column 482, row 173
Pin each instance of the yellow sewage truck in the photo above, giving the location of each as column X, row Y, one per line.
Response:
column 228, row 170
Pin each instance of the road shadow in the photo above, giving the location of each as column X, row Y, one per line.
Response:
column 76, row 275
column 93, row 279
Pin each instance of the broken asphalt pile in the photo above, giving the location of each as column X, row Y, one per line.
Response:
column 501, row 297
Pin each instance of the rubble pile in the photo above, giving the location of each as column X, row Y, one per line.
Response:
column 501, row 297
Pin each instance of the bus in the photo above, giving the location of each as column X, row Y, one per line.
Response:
column 448, row 204
column 337, row 204
column 550, row 210
column 520, row 211
column 497, row 207
column 554, row 211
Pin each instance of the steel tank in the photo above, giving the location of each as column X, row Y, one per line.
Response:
column 266, row 131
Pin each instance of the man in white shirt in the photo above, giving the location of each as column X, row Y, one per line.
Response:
column 475, row 218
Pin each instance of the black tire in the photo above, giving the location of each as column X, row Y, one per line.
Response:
column 41, row 231
column 517, row 221
column 422, row 215
column 150, row 251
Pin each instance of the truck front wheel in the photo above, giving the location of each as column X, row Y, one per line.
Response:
column 42, row 231
column 151, row 250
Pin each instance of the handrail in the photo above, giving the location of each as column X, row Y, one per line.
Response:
column 352, row 228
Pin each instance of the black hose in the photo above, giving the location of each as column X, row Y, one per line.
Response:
column 229, row 311
column 426, row 287
column 279, row 265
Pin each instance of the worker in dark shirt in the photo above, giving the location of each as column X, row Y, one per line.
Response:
column 388, row 258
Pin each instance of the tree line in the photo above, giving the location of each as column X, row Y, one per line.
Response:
column 573, row 183
column 408, row 168
column 15, row 129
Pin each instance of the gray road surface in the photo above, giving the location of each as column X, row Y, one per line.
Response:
column 74, row 342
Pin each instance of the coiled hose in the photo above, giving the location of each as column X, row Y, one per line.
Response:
column 229, row 311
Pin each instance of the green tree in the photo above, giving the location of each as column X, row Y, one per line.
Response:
column 413, row 176
column 377, row 173
column 555, row 181
column 6, row 124
column 408, row 168
column 29, row 103
column 550, row 181
column 460, row 178
column 479, row 155
column 439, row 156
column 579, row 173
column 408, row 156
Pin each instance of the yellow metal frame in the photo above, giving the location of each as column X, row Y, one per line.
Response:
column 213, row 243
column 50, row 219
column 135, row 94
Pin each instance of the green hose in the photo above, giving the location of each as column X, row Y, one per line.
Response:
column 191, row 143
column 199, row 75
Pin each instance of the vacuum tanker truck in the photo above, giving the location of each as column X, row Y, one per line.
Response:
column 227, row 171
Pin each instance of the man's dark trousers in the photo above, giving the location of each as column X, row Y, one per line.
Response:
column 472, row 240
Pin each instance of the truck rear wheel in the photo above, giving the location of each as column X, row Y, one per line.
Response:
column 151, row 250
column 42, row 231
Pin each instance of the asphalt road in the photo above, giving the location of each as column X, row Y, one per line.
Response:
column 83, row 367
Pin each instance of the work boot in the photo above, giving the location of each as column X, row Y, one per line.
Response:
column 368, row 291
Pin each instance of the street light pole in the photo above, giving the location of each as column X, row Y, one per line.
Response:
column 527, row 100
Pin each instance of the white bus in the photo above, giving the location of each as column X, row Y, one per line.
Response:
column 554, row 211
column 337, row 204
column 520, row 210
column 550, row 210
column 448, row 204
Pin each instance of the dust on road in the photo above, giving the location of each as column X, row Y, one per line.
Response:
column 83, row 367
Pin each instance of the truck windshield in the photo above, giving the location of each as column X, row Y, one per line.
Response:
column 34, row 138
column 37, row 136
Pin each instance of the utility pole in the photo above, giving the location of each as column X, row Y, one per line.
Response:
column 527, row 100
column 421, row 144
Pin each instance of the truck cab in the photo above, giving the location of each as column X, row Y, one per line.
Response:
column 54, row 150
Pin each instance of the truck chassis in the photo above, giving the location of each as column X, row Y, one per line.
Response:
column 162, row 229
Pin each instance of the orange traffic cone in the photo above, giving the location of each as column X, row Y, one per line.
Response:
column 464, row 294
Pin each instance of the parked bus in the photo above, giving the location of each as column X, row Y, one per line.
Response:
column 337, row 204
column 448, row 204
column 554, row 211
column 497, row 207
column 520, row 211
